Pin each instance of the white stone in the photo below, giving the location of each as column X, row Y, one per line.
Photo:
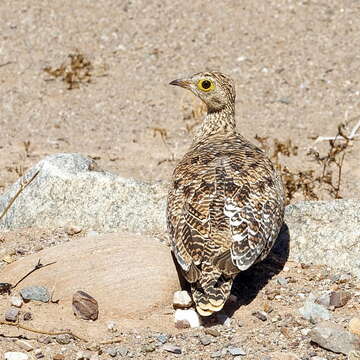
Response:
column 189, row 315
column 112, row 326
column 182, row 300
column 13, row 355
column 16, row 301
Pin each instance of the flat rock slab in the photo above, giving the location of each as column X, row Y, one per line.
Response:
column 131, row 277
column 69, row 189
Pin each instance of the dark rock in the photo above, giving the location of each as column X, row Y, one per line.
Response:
column 37, row 293
column 27, row 316
column 85, row 306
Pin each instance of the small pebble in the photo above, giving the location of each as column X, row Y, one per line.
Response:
column 27, row 316
column 25, row 345
column 112, row 326
column 85, row 306
column 162, row 338
column 39, row 354
column 16, row 301
column 182, row 300
column 12, row 314
column 63, row 339
column 190, row 315
column 261, row 315
column 149, row 348
column 111, row 351
column 205, row 340
column 236, row 351
column 172, row 348
column 282, row 281
column 14, row 355
column 58, row 357
column 38, row 248
column 72, row 230
column 122, row 351
column 339, row 298
column 44, row 339
column 312, row 311
column 93, row 346
column 216, row 354
column 37, row 293
column 212, row 332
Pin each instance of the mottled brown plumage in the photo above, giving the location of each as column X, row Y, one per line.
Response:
column 226, row 201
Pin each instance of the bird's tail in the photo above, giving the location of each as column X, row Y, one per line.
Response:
column 210, row 296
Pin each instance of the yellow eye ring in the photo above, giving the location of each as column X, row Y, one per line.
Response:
column 205, row 85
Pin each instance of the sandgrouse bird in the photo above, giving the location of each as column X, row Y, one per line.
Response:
column 226, row 201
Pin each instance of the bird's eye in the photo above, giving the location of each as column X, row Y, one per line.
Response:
column 205, row 85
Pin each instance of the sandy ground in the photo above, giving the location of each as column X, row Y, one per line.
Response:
column 295, row 63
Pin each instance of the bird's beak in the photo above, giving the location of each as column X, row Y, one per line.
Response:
column 186, row 84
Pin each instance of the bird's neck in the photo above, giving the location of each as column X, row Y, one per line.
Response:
column 217, row 122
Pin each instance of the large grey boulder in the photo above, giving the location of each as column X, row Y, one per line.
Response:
column 326, row 232
column 69, row 190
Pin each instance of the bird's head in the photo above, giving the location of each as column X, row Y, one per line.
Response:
column 215, row 89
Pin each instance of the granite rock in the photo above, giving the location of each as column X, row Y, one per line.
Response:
column 69, row 189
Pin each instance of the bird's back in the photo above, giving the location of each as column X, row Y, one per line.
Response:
column 225, row 209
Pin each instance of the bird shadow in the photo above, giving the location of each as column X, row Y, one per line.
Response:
column 249, row 283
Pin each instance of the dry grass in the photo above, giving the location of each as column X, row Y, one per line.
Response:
column 78, row 70
column 311, row 183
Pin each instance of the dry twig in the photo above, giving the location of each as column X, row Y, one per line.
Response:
column 51, row 333
column 23, row 185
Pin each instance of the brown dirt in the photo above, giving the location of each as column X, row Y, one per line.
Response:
column 295, row 64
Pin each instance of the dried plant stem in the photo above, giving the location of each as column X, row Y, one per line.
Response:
column 23, row 185
column 353, row 133
column 107, row 342
column 52, row 333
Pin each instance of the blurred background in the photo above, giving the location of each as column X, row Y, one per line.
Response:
column 92, row 77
